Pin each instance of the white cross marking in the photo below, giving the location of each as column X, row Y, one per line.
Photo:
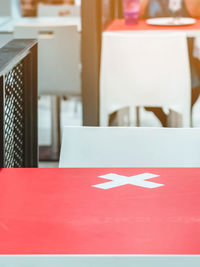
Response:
column 119, row 180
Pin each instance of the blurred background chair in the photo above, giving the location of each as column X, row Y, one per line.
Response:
column 50, row 10
column 59, row 72
column 130, row 147
column 5, row 17
column 29, row 8
column 5, row 8
column 132, row 76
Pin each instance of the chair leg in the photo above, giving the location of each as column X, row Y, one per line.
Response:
column 76, row 103
column 179, row 120
column 56, row 125
column 159, row 113
column 195, row 96
column 113, row 119
column 120, row 117
column 138, row 116
column 174, row 119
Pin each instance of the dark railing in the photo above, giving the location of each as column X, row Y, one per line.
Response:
column 18, row 104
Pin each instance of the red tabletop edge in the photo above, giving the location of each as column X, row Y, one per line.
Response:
column 119, row 25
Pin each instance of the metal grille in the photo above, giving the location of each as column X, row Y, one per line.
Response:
column 14, row 117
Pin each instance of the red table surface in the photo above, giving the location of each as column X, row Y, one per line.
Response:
column 119, row 25
column 57, row 211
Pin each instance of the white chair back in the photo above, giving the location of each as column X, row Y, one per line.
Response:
column 58, row 57
column 130, row 147
column 145, row 69
column 48, row 10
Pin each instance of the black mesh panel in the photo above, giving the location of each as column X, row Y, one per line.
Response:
column 14, row 117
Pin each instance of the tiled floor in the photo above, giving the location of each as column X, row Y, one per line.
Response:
column 48, row 165
column 71, row 115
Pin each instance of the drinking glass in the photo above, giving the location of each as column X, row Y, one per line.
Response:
column 175, row 6
column 131, row 11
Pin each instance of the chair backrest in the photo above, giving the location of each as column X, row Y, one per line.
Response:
column 130, row 147
column 58, row 57
column 48, row 10
column 145, row 69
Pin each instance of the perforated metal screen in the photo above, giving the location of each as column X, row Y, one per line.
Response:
column 14, row 117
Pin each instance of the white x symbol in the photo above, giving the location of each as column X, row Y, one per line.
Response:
column 119, row 180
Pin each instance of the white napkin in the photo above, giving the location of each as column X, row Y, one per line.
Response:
column 196, row 51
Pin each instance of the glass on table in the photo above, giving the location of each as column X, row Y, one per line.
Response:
column 131, row 11
column 175, row 6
